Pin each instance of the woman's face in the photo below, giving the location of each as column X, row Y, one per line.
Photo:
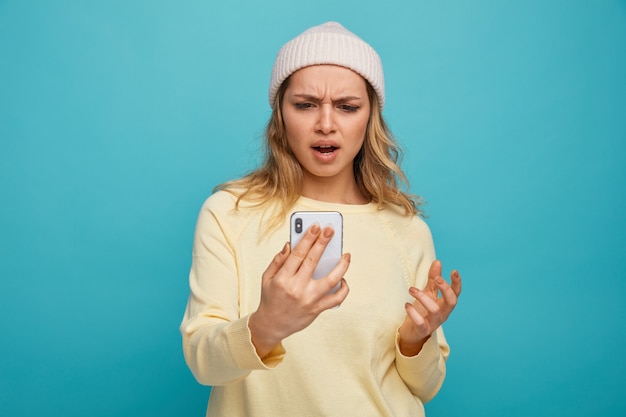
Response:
column 326, row 110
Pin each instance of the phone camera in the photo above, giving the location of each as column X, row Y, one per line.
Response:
column 298, row 225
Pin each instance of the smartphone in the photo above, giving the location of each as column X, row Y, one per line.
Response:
column 301, row 221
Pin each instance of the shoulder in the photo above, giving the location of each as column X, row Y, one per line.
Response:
column 226, row 207
column 227, row 200
column 409, row 231
column 221, row 217
column 396, row 217
column 221, row 200
column 224, row 214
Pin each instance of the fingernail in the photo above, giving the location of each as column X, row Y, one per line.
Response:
column 439, row 280
column 315, row 229
column 328, row 232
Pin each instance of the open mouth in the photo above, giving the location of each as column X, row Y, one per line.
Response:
column 325, row 149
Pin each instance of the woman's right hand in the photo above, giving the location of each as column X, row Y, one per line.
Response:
column 290, row 298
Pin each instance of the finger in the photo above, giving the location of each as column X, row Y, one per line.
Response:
column 418, row 321
column 433, row 273
column 300, row 251
column 335, row 276
column 276, row 264
column 333, row 300
column 313, row 256
column 448, row 296
column 432, row 295
column 435, row 270
column 426, row 301
column 456, row 282
column 315, row 253
column 416, row 303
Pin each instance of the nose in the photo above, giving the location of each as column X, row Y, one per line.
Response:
column 325, row 120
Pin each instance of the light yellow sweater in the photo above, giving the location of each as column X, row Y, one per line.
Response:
column 347, row 362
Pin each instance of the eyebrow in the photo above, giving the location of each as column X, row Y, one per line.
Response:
column 310, row 97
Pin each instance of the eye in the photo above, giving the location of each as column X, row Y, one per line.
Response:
column 348, row 108
column 303, row 106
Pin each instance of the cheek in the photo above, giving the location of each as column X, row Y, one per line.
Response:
column 292, row 127
column 293, row 138
column 297, row 133
column 361, row 128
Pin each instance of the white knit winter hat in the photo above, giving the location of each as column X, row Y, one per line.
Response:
column 329, row 43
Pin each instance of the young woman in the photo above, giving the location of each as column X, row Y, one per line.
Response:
column 271, row 340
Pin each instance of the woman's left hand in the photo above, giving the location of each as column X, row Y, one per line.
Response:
column 428, row 311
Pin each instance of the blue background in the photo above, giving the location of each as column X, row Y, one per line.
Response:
column 118, row 118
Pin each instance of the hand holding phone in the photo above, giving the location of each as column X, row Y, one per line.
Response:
column 287, row 304
column 301, row 221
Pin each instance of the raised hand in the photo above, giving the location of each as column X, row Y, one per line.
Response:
column 428, row 311
column 290, row 299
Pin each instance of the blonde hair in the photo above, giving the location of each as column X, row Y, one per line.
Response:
column 279, row 179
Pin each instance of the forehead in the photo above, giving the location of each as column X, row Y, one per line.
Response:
column 327, row 78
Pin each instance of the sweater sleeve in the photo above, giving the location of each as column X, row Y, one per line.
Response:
column 425, row 372
column 216, row 340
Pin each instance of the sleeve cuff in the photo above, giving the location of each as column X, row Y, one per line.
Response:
column 430, row 353
column 243, row 350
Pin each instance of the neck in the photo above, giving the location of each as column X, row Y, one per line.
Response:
column 331, row 190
